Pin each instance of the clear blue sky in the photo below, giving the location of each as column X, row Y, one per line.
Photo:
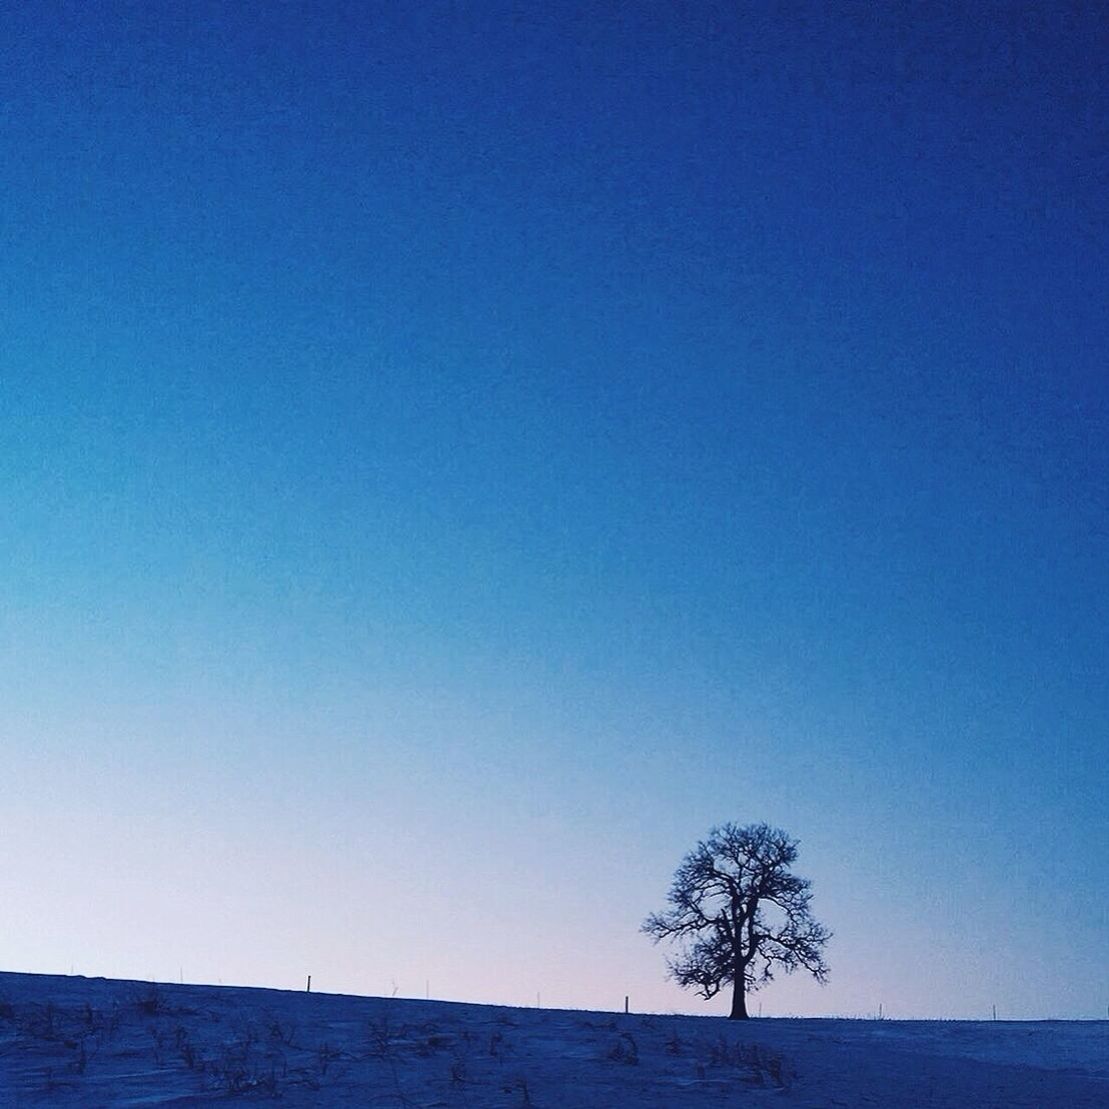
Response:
column 454, row 454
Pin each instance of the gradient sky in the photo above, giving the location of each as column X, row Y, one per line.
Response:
column 455, row 454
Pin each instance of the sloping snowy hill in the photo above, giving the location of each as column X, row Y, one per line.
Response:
column 68, row 1041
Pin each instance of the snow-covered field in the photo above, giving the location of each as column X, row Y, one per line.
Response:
column 68, row 1041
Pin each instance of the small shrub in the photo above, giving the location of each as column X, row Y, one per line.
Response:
column 186, row 1049
column 383, row 1038
column 283, row 1031
column 760, row 1065
column 521, row 1085
column 625, row 1050
column 234, row 1074
column 326, row 1055
column 764, row 1067
column 42, row 1022
column 429, row 1045
column 151, row 1002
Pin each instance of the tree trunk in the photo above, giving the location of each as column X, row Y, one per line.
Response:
column 739, row 999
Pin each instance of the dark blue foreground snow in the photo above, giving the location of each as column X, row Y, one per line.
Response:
column 93, row 1042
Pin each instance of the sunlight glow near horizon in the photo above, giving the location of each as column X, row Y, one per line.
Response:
column 452, row 459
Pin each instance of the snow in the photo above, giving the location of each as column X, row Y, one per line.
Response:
column 70, row 1041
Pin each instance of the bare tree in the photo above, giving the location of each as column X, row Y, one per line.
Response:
column 740, row 915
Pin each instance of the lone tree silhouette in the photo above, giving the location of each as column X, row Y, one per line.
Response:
column 740, row 915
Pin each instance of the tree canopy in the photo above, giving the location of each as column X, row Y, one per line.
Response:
column 740, row 914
